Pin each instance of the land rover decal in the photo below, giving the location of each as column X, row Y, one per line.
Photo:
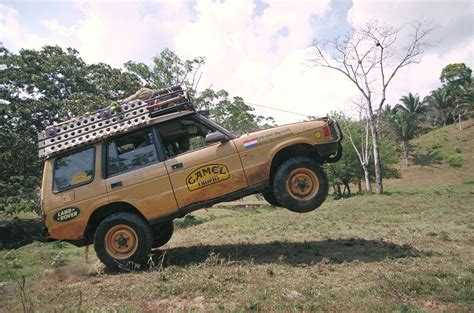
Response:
column 207, row 175
column 66, row 214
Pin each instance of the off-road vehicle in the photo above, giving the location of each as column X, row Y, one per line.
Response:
column 118, row 177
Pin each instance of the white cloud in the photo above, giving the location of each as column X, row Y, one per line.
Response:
column 263, row 58
column 9, row 26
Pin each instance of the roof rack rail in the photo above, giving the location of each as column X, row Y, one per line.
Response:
column 109, row 121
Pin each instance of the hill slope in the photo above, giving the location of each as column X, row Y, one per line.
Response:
column 429, row 159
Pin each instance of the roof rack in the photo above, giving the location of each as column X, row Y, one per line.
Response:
column 109, row 121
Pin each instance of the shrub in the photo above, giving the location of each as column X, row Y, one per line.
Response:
column 454, row 160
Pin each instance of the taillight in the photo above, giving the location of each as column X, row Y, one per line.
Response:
column 326, row 130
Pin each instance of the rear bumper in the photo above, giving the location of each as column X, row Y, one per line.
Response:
column 45, row 236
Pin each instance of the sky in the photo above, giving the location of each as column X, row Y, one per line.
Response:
column 259, row 50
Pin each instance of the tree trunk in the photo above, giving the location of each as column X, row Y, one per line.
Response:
column 460, row 122
column 406, row 147
column 376, row 146
column 348, row 189
column 359, row 186
column 368, row 184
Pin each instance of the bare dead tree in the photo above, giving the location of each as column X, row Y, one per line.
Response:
column 370, row 58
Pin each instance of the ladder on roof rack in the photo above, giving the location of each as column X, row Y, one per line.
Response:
column 106, row 122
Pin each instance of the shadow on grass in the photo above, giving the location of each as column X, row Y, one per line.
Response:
column 432, row 158
column 18, row 232
column 293, row 253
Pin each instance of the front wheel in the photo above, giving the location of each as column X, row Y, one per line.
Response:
column 300, row 185
column 123, row 240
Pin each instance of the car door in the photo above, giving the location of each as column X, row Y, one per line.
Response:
column 199, row 172
column 136, row 174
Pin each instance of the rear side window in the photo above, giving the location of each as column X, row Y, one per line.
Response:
column 130, row 152
column 74, row 169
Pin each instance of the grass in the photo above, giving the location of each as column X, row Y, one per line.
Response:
column 409, row 251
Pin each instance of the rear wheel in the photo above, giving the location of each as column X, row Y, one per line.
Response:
column 162, row 233
column 269, row 196
column 300, row 185
column 123, row 240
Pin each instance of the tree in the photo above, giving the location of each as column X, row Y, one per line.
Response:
column 356, row 163
column 349, row 169
column 440, row 102
column 233, row 114
column 370, row 58
column 404, row 125
column 358, row 135
column 168, row 70
column 404, row 120
column 456, row 74
column 39, row 88
column 464, row 103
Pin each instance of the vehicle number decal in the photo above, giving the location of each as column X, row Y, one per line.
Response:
column 207, row 175
column 66, row 214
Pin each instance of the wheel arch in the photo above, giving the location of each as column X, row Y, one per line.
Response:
column 106, row 210
column 288, row 152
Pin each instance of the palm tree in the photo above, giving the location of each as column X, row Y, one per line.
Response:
column 464, row 102
column 440, row 100
column 411, row 104
column 404, row 120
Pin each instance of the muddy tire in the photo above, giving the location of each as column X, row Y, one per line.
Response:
column 162, row 233
column 123, row 240
column 300, row 185
column 269, row 196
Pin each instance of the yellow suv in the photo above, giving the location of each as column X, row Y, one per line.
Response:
column 121, row 191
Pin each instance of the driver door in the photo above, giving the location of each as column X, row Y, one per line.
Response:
column 199, row 172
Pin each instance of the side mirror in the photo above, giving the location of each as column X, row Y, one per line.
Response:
column 216, row 137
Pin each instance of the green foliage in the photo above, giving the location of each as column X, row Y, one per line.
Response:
column 456, row 73
column 454, row 100
column 454, row 160
column 349, row 170
column 233, row 114
column 404, row 120
column 167, row 70
column 39, row 88
column 191, row 220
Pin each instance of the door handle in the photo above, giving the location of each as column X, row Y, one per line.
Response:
column 176, row 166
column 116, row 185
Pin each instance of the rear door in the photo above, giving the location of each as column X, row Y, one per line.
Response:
column 199, row 172
column 136, row 174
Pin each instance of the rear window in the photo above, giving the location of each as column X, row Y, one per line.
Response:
column 73, row 169
column 130, row 152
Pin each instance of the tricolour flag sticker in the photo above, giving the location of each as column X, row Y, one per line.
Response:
column 252, row 143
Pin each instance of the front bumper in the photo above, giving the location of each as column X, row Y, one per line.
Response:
column 331, row 152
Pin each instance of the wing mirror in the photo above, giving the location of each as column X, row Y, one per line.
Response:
column 216, row 137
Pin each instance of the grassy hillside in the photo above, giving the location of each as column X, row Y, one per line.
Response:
column 409, row 250
column 431, row 154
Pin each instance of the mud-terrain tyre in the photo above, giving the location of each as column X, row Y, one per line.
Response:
column 300, row 185
column 162, row 233
column 123, row 240
column 269, row 196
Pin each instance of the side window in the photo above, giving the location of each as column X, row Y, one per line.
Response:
column 181, row 136
column 130, row 152
column 73, row 169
